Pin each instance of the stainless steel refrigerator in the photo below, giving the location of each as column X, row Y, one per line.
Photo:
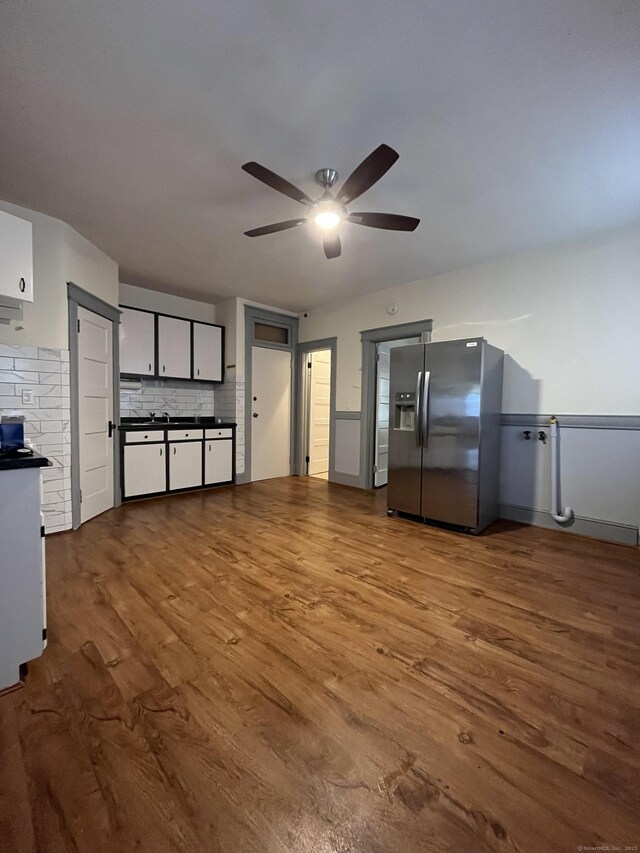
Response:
column 444, row 432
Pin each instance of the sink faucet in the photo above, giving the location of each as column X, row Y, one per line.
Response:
column 152, row 415
column 166, row 414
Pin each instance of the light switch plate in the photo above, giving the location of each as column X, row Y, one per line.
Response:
column 27, row 397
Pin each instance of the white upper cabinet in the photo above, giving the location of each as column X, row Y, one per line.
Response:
column 174, row 347
column 137, row 342
column 16, row 258
column 186, row 349
column 207, row 352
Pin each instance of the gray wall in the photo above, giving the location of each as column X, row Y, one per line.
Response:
column 600, row 476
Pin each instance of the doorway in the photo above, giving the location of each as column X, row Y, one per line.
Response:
column 270, row 368
column 271, row 413
column 95, row 399
column 318, row 410
column 374, row 408
column 381, row 435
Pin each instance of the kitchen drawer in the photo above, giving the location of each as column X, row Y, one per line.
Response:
column 142, row 437
column 218, row 433
column 184, row 434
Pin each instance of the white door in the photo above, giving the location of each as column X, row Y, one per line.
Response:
column 207, row 352
column 185, row 464
column 319, row 411
column 381, row 455
column 95, row 402
column 271, row 413
column 381, row 439
column 145, row 469
column 174, row 347
column 137, row 342
column 218, row 461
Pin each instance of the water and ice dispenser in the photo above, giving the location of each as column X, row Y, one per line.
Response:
column 404, row 411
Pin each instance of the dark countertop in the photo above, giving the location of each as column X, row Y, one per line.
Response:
column 35, row 460
column 174, row 423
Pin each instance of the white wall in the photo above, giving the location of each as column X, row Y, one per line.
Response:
column 34, row 353
column 60, row 255
column 165, row 303
column 567, row 317
column 226, row 314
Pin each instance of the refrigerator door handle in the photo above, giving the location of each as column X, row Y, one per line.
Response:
column 418, row 409
column 424, row 416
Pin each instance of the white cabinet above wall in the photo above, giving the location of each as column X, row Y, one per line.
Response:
column 16, row 259
column 174, row 347
column 165, row 347
column 137, row 342
column 207, row 352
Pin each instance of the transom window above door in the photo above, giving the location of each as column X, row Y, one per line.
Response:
column 271, row 333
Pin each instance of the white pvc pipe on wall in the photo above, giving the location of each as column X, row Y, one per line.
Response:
column 556, row 512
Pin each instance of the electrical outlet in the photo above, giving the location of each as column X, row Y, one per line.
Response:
column 27, row 397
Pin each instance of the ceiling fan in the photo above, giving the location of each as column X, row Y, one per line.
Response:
column 330, row 210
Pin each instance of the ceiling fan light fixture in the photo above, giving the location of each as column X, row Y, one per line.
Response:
column 327, row 219
column 328, row 214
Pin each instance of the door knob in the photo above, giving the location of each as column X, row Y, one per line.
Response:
column 255, row 414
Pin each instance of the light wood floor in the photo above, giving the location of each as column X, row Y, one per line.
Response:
column 280, row 667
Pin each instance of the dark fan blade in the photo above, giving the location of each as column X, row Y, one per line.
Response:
column 277, row 226
column 368, row 172
column 390, row 221
column 276, row 182
column 331, row 244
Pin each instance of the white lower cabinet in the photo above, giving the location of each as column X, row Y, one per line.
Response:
column 157, row 461
column 218, row 461
column 145, row 469
column 185, row 464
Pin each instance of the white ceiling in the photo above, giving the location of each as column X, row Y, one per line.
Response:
column 517, row 123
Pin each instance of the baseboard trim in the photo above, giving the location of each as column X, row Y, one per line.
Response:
column 346, row 479
column 623, row 534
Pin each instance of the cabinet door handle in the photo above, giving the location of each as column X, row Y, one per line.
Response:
column 174, row 451
column 198, row 371
column 22, row 285
column 160, row 451
column 163, row 368
column 209, row 448
column 149, row 367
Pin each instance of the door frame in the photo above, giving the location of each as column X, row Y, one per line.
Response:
column 304, row 349
column 253, row 313
column 370, row 338
column 76, row 296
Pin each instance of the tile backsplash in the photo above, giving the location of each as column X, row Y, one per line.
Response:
column 45, row 372
column 230, row 404
column 165, row 395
